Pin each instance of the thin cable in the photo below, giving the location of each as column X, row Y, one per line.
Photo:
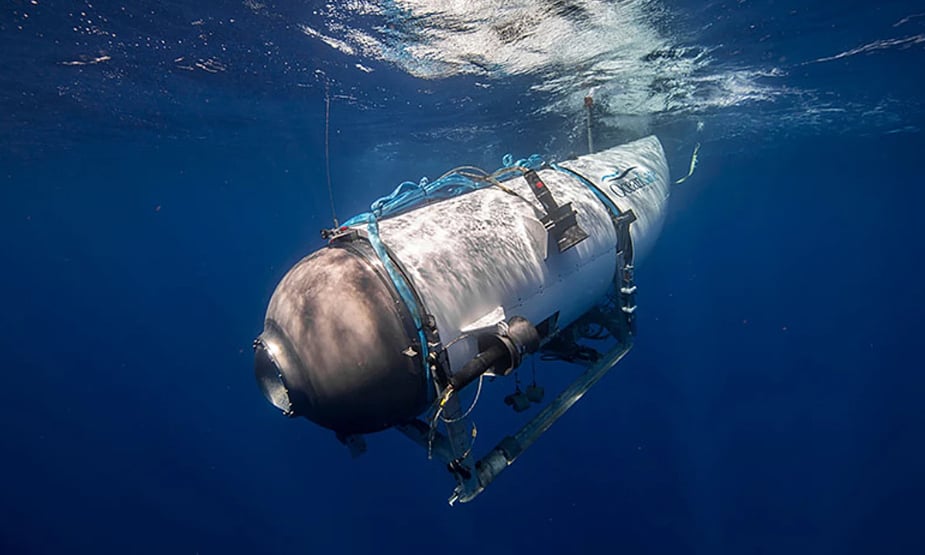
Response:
column 454, row 341
column 432, row 433
column 475, row 400
column 461, row 169
column 327, row 148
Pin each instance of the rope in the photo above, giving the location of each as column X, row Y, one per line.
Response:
column 453, row 183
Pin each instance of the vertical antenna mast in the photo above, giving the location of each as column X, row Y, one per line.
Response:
column 589, row 103
column 327, row 149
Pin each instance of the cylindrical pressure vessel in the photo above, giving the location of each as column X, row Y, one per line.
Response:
column 341, row 345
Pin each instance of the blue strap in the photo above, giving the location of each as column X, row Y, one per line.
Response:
column 409, row 195
column 400, row 283
column 614, row 211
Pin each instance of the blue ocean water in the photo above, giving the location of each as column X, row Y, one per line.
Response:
column 163, row 166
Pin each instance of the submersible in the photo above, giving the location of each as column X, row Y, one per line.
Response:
column 444, row 283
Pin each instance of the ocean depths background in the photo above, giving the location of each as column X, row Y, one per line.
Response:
column 162, row 166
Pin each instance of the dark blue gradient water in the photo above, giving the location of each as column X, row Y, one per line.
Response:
column 771, row 404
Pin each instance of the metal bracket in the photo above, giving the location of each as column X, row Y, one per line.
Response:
column 508, row 449
column 560, row 221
